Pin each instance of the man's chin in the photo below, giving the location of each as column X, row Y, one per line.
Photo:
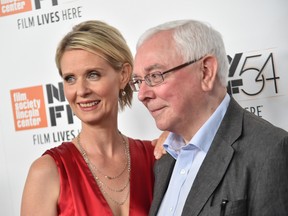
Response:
column 161, row 126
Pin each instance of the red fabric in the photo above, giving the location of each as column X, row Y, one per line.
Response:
column 79, row 193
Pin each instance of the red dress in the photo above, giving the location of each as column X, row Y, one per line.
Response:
column 80, row 194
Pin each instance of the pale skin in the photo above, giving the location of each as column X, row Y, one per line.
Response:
column 41, row 189
column 91, row 87
column 186, row 98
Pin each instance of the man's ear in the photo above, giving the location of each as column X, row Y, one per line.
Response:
column 125, row 75
column 209, row 72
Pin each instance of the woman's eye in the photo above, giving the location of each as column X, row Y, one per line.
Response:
column 94, row 75
column 69, row 79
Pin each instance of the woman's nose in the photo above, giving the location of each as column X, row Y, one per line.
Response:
column 83, row 87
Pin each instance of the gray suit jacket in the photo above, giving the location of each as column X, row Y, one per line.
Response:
column 246, row 166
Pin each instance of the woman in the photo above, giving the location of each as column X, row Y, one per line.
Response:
column 100, row 172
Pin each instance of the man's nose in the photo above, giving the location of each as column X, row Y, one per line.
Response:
column 144, row 92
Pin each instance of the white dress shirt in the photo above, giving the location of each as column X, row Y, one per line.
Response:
column 188, row 161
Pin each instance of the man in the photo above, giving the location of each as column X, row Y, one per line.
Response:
column 222, row 159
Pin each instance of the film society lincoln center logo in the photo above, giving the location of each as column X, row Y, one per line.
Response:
column 28, row 108
column 9, row 7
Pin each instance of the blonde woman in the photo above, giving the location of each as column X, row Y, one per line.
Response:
column 101, row 171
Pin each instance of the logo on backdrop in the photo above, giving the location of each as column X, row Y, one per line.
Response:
column 253, row 75
column 9, row 7
column 32, row 110
column 43, row 107
column 28, row 108
column 13, row 7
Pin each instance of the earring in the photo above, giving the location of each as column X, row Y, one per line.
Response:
column 123, row 93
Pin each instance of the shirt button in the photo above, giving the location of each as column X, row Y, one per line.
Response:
column 171, row 209
column 182, row 172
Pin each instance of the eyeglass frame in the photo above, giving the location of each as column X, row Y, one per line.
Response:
column 135, row 82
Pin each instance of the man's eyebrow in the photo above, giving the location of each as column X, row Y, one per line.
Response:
column 149, row 69
column 153, row 67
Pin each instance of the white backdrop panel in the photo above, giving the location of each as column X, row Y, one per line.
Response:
column 256, row 30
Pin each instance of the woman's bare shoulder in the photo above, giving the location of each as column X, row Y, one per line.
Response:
column 42, row 188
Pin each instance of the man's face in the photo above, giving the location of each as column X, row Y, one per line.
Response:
column 174, row 103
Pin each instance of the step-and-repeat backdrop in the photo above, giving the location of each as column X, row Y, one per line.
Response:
column 34, row 114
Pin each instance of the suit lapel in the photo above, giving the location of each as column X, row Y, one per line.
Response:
column 216, row 162
column 163, row 170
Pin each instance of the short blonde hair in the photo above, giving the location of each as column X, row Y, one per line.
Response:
column 99, row 38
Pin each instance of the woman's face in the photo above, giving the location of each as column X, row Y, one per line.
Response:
column 91, row 86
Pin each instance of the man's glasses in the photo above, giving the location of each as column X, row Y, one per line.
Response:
column 156, row 78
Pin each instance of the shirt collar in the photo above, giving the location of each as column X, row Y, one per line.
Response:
column 204, row 136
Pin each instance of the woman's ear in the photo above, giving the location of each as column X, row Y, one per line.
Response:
column 125, row 75
column 209, row 72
